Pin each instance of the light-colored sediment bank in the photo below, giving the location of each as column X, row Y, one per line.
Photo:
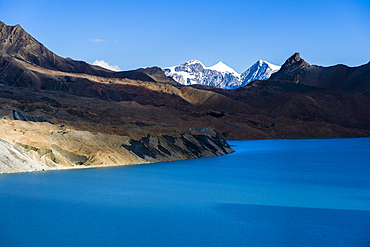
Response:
column 36, row 146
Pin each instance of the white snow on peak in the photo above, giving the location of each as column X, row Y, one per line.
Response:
column 194, row 61
column 272, row 66
column 260, row 70
column 220, row 75
column 220, row 66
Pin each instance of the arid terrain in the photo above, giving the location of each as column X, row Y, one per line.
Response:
column 60, row 113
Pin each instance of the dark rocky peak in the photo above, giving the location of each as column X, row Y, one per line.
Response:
column 294, row 63
column 295, row 58
column 6, row 28
column 17, row 43
column 14, row 39
column 291, row 69
column 337, row 77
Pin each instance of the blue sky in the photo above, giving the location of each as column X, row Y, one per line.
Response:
column 143, row 33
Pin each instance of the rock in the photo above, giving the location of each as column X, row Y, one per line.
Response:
column 291, row 69
column 17, row 115
column 15, row 159
column 71, row 157
column 164, row 147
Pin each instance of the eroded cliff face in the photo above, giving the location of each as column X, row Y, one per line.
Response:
column 35, row 146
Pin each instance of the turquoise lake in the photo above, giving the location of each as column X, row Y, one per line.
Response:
column 268, row 193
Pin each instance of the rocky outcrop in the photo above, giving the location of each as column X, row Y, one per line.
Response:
column 192, row 145
column 17, row 115
column 291, row 69
column 15, row 159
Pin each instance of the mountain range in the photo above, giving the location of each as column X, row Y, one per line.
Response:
column 219, row 75
column 61, row 113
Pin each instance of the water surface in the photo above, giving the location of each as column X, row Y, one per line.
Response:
column 268, row 193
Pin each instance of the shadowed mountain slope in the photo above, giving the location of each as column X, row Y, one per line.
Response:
column 341, row 77
column 17, row 43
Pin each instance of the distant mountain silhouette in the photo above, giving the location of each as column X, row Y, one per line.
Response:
column 338, row 77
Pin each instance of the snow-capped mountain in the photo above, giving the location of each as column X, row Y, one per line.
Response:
column 195, row 72
column 220, row 75
column 260, row 70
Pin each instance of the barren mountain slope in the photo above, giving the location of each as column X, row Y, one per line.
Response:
column 341, row 77
column 65, row 113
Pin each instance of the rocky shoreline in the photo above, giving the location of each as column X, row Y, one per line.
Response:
column 29, row 146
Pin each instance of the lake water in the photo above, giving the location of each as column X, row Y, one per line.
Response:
column 268, row 193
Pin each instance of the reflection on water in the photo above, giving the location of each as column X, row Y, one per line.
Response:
column 268, row 193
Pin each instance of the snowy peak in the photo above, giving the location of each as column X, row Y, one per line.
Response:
column 270, row 65
column 195, row 72
column 260, row 70
column 195, row 62
column 220, row 74
column 191, row 66
column 221, row 67
column 262, row 63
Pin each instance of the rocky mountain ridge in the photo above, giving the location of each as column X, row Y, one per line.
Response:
column 339, row 77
